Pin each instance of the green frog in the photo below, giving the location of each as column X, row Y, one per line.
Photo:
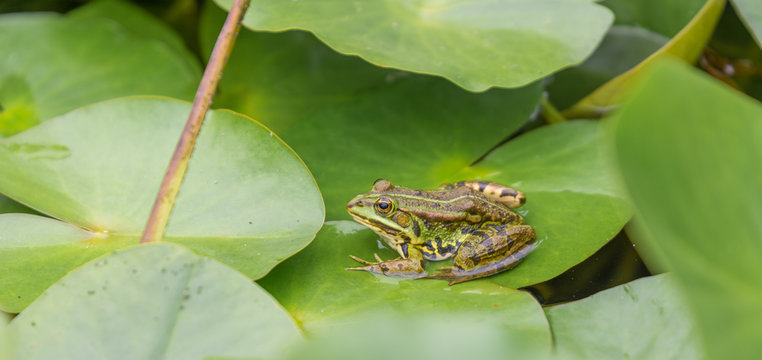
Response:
column 472, row 221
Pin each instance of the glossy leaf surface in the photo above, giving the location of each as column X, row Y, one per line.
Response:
column 51, row 64
column 384, row 336
column 475, row 44
column 151, row 302
column 604, row 326
column 695, row 184
column 250, row 211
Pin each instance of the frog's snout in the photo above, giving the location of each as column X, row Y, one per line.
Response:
column 354, row 203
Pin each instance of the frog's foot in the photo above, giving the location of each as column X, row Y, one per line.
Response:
column 407, row 268
column 456, row 275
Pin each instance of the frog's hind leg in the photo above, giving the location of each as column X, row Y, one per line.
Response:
column 494, row 191
column 488, row 252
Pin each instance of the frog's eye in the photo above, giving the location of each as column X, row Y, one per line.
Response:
column 384, row 205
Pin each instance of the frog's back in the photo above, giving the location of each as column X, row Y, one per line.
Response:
column 459, row 204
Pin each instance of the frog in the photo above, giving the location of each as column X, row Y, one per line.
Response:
column 473, row 222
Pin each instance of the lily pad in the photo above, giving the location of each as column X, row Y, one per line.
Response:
column 476, row 44
column 688, row 22
column 695, row 186
column 5, row 352
column 750, row 12
column 316, row 290
column 247, row 199
column 150, row 302
column 444, row 336
column 623, row 48
column 95, row 59
column 603, row 326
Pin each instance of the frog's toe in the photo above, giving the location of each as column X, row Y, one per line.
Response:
column 361, row 261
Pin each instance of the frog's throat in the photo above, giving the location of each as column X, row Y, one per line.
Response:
column 393, row 243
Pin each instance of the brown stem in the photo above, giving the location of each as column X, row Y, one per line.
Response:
column 165, row 200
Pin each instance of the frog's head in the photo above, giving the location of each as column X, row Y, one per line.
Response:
column 378, row 209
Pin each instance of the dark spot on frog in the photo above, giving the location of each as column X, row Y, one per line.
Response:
column 399, row 266
column 404, row 250
column 417, row 193
column 482, row 185
column 508, row 192
column 416, row 229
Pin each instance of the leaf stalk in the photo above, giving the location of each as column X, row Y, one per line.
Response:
column 173, row 178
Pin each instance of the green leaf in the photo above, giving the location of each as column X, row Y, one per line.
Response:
column 5, row 343
column 137, row 21
column 420, row 132
column 9, row 206
column 688, row 22
column 623, row 48
column 604, row 326
column 666, row 17
column 689, row 150
column 320, row 294
column 476, row 44
column 750, row 12
column 247, row 200
column 150, row 302
column 444, row 336
column 51, row 64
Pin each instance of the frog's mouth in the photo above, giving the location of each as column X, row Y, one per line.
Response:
column 375, row 225
column 385, row 232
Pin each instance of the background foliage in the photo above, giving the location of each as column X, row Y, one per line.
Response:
column 590, row 108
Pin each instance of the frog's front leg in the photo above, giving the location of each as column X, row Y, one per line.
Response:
column 411, row 268
column 488, row 251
